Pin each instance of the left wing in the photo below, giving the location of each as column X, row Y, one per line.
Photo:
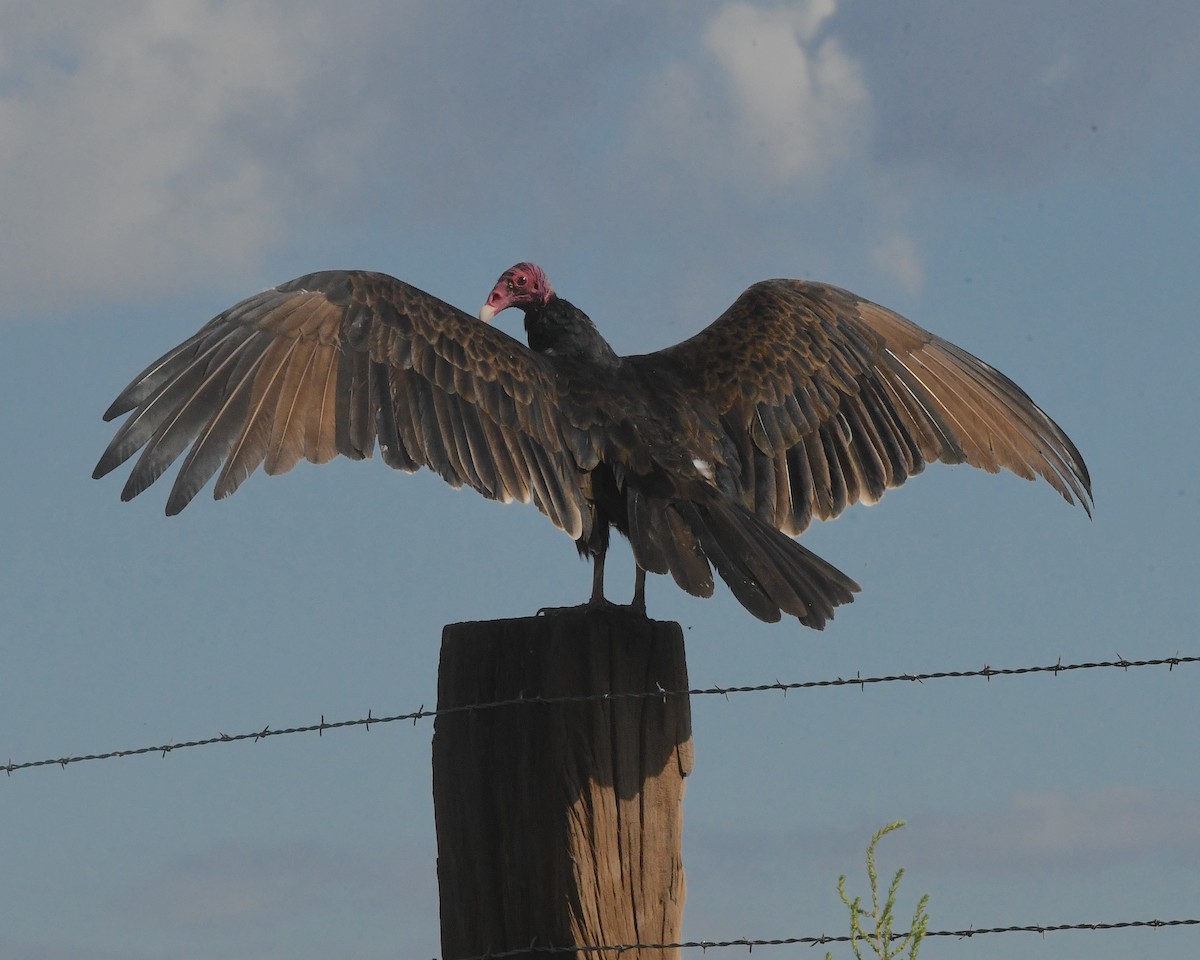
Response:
column 831, row 399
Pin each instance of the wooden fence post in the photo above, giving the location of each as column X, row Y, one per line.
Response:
column 558, row 824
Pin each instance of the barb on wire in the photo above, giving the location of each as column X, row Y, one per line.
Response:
column 749, row 944
column 420, row 714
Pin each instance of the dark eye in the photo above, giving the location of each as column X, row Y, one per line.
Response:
column 522, row 280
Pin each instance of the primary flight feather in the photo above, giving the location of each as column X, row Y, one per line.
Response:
column 799, row 400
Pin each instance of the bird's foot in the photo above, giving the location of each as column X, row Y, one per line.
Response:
column 603, row 604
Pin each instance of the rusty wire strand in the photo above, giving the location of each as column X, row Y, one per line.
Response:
column 749, row 944
column 421, row 713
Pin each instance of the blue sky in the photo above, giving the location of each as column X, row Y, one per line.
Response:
column 1020, row 178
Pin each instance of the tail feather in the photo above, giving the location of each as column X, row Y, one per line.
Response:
column 730, row 560
column 817, row 585
column 768, row 572
column 663, row 543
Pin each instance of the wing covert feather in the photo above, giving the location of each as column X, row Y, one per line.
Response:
column 841, row 399
column 332, row 363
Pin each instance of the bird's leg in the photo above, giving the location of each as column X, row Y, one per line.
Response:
column 598, row 600
column 639, row 591
column 598, row 579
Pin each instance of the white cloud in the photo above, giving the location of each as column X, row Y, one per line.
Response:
column 801, row 97
column 783, row 106
column 750, row 154
column 127, row 138
column 147, row 146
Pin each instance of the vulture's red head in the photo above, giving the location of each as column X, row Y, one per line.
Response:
column 521, row 286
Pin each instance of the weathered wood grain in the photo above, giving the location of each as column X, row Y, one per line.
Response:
column 559, row 824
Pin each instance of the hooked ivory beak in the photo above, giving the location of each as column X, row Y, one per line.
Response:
column 486, row 312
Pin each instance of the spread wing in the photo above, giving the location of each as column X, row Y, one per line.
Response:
column 831, row 399
column 329, row 364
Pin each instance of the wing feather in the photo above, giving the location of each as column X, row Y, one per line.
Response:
column 250, row 448
column 513, row 483
column 320, row 429
column 332, row 363
column 829, row 399
column 215, row 441
column 286, row 447
column 171, row 382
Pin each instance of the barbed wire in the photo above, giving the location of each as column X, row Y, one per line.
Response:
column 421, row 713
column 706, row 945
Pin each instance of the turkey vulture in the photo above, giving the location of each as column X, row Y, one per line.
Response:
column 798, row 401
